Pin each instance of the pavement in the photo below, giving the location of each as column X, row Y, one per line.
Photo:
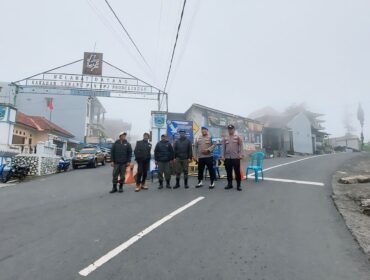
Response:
column 348, row 197
column 289, row 229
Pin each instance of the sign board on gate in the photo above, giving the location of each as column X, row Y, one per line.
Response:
column 173, row 128
column 159, row 120
column 93, row 64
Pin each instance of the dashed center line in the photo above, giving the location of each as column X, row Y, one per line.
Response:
column 113, row 253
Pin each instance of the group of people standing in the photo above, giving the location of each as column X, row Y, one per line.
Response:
column 180, row 155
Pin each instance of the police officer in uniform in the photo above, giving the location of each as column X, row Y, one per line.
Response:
column 142, row 156
column 164, row 155
column 232, row 153
column 204, row 155
column 121, row 153
column 183, row 155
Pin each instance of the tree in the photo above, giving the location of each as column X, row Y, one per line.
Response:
column 361, row 119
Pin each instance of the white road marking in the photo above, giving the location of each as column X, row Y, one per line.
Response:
column 291, row 162
column 295, row 181
column 110, row 255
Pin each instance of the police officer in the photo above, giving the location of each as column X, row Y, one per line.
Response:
column 232, row 153
column 204, row 155
column 142, row 156
column 121, row 154
column 163, row 155
column 183, row 155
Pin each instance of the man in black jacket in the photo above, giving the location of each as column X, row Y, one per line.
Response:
column 121, row 154
column 163, row 155
column 183, row 155
column 142, row 156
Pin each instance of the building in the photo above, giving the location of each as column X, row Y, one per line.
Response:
column 28, row 131
column 348, row 141
column 295, row 131
column 217, row 121
column 7, row 122
column 82, row 116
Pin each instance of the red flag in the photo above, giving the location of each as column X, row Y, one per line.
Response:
column 50, row 106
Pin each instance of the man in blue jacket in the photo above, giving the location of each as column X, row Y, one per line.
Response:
column 121, row 154
column 163, row 155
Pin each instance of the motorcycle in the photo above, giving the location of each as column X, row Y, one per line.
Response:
column 63, row 165
column 14, row 171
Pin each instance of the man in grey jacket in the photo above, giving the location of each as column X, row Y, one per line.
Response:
column 204, row 155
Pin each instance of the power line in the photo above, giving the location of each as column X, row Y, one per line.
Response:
column 174, row 47
column 129, row 36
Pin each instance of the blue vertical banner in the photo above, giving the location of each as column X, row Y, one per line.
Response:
column 173, row 128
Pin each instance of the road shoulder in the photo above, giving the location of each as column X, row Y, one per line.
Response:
column 347, row 199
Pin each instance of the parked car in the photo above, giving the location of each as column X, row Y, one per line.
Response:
column 107, row 153
column 89, row 157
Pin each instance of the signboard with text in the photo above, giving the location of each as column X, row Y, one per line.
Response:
column 173, row 128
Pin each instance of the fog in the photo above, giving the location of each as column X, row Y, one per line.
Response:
column 236, row 56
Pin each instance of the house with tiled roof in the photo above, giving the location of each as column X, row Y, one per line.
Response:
column 30, row 130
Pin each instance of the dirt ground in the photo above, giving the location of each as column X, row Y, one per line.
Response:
column 348, row 197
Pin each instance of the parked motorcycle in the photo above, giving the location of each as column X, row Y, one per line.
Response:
column 14, row 171
column 63, row 165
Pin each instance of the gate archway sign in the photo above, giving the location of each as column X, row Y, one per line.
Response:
column 92, row 82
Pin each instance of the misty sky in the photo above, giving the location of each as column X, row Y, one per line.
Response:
column 236, row 56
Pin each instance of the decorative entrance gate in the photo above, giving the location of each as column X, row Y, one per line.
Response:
column 92, row 83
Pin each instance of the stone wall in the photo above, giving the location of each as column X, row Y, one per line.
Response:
column 39, row 165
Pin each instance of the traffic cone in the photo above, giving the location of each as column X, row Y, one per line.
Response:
column 130, row 179
column 242, row 175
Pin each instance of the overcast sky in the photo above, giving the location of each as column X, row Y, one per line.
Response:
column 236, row 56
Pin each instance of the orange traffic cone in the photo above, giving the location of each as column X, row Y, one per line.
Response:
column 242, row 175
column 130, row 179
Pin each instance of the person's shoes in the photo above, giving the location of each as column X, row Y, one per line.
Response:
column 114, row 189
column 212, row 185
column 200, row 184
column 168, row 185
column 239, row 188
column 144, row 187
column 138, row 187
column 120, row 188
column 228, row 187
column 186, row 183
column 177, row 184
column 160, row 185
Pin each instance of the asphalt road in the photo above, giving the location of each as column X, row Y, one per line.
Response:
column 54, row 227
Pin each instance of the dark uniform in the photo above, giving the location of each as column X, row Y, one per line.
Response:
column 142, row 156
column 183, row 153
column 121, row 154
column 232, row 152
column 163, row 154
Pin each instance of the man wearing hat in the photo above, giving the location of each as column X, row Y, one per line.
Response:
column 232, row 153
column 163, row 155
column 183, row 156
column 204, row 155
column 121, row 154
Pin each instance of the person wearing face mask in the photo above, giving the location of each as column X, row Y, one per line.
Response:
column 183, row 156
